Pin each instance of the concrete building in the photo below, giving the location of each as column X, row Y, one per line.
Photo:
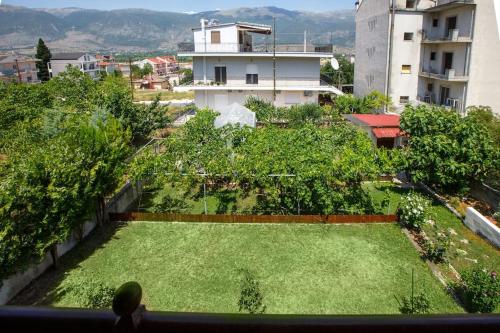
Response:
column 229, row 66
column 85, row 62
column 18, row 68
column 162, row 65
column 444, row 52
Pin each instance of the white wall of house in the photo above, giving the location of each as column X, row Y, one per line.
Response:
column 228, row 39
column 484, row 79
column 372, row 35
column 289, row 71
column 58, row 66
column 220, row 98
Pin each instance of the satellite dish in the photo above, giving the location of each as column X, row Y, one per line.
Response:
column 335, row 64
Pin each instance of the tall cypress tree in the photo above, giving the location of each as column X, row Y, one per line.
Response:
column 44, row 56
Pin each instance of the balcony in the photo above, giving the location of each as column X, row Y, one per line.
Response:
column 450, row 4
column 262, row 48
column 450, row 102
column 453, row 36
column 448, row 75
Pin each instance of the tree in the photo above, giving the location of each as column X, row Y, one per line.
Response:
column 43, row 55
column 345, row 73
column 446, row 150
column 370, row 103
column 147, row 70
column 188, row 77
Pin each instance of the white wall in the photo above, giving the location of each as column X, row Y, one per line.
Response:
column 405, row 53
column 481, row 225
column 289, row 71
column 484, row 81
column 228, row 40
column 283, row 98
column 372, row 33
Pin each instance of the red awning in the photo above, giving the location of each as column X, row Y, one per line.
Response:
column 386, row 132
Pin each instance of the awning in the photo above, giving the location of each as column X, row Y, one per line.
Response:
column 386, row 132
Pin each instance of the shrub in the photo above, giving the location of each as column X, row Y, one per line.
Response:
column 437, row 250
column 251, row 297
column 496, row 216
column 419, row 304
column 305, row 113
column 479, row 290
column 412, row 211
column 93, row 294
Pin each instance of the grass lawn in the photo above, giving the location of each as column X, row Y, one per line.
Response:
column 476, row 248
column 314, row 269
column 165, row 95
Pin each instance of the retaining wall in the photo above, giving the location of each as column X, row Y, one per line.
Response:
column 481, row 225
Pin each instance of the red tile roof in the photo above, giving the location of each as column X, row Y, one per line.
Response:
column 378, row 120
column 155, row 60
column 386, row 132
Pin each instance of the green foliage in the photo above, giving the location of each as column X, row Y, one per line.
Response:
column 43, row 55
column 412, row 211
column 437, row 250
column 301, row 114
column 419, row 304
column 49, row 189
column 265, row 111
column 496, row 216
column 188, row 77
column 147, row 69
column 345, row 72
column 445, row 149
column 300, row 170
column 251, row 298
column 92, row 294
column 484, row 115
column 347, row 104
column 479, row 290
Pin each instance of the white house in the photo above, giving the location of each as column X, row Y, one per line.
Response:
column 444, row 52
column 229, row 66
column 85, row 62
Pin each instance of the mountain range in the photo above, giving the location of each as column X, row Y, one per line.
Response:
column 126, row 30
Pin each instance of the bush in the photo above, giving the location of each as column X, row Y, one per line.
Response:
column 93, row 294
column 479, row 290
column 251, row 297
column 496, row 216
column 437, row 250
column 419, row 304
column 305, row 113
column 412, row 211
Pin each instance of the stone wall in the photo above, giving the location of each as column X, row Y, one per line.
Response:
column 120, row 203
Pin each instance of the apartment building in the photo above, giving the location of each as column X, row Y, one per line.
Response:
column 87, row 63
column 444, row 52
column 162, row 65
column 18, row 68
column 229, row 66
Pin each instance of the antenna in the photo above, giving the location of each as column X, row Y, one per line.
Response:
column 335, row 64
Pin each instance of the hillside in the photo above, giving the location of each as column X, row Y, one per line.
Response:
column 67, row 29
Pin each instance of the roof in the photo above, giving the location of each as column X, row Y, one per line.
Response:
column 386, row 132
column 13, row 57
column 68, row 56
column 235, row 114
column 251, row 27
column 377, row 120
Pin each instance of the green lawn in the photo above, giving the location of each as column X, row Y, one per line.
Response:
column 315, row 269
column 165, row 95
column 476, row 248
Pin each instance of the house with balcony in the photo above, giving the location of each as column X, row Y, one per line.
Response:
column 162, row 65
column 18, row 68
column 85, row 62
column 443, row 52
column 233, row 61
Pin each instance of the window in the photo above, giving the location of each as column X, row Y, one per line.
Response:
column 408, row 36
column 433, row 56
column 410, row 3
column 430, row 87
column 220, row 74
column 215, row 37
column 435, row 22
column 404, row 99
column 252, row 78
column 406, row 69
column 308, row 93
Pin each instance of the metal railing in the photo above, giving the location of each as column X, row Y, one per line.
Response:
column 265, row 47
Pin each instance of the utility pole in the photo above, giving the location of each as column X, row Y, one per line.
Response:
column 18, row 72
column 130, row 76
column 274, row 60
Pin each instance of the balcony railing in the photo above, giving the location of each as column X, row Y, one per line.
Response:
column 453, row 35
column 448, row 75
column 266, row 47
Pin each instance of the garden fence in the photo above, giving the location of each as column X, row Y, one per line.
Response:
column 320, row 219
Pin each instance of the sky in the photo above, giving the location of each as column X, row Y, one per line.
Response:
column 187, row 5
